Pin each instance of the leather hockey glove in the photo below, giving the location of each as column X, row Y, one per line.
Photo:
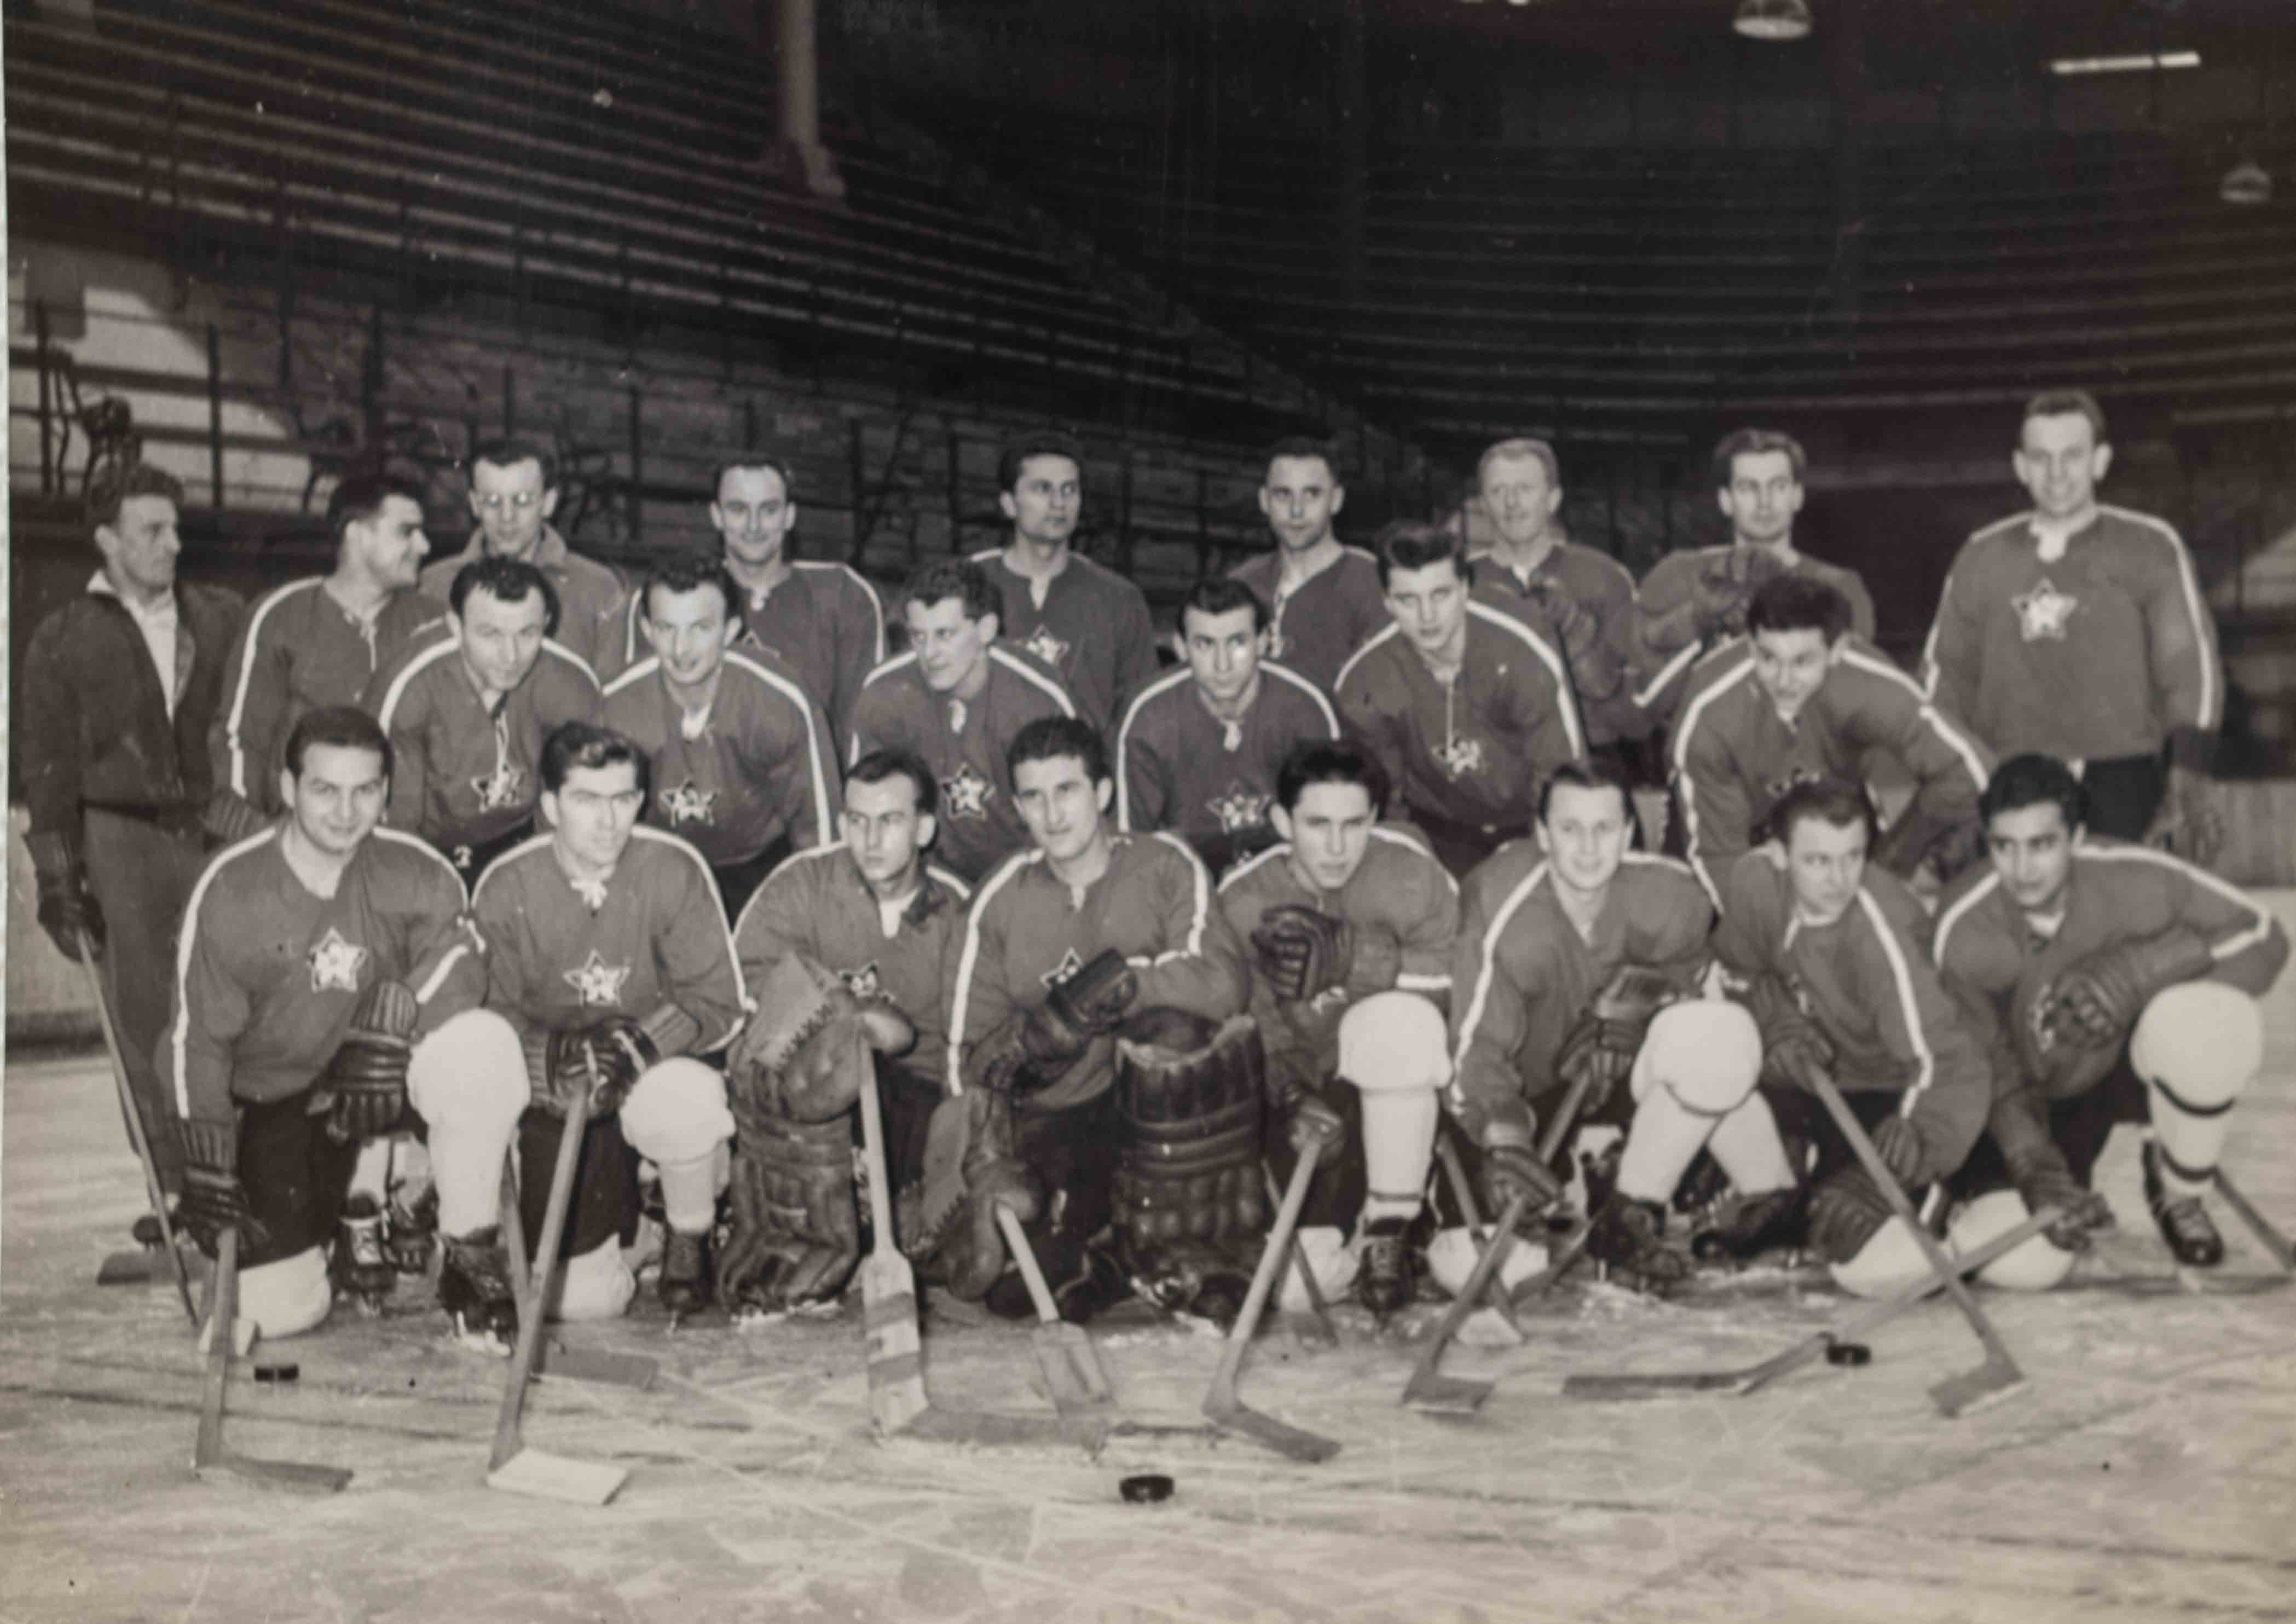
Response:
column 1793, row 1048
column 2099, row 999
column 67, row 908
column 1723, row 589
column 1601, row 1047
column 1090, row 1003
column 1303, row 951
column 624, row 1050
column 1314, row 1128
column 213, row 1199
column 1511, row 1164
column 362, row 1091
column 2042, row 1176
column 1899, row 1143
column 1845, row 1212
column 558, row 1064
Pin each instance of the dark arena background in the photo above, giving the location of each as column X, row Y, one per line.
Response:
column 266, row 243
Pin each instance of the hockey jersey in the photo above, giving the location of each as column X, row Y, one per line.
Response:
column 1315, row 626
column 591, row 597
column 1598, row 655
column 1664, row 645
column 1181, row 768
column 1092, row 628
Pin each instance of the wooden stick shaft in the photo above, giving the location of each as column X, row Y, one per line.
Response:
column 223, row 1311
column 545, row 1270
column 135, row 1134
column 1023, row 1254
column 872, row 1139
column 1271, row 1258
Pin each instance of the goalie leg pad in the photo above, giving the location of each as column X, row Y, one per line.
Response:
column 1190, row 1205
column 796, row 1232
column 972, row 1166
column 467, row 1081
column 2197, row 1045
column 2035, row 1264
column 288, row 1297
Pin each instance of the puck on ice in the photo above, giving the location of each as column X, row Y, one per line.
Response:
column 1146, row 1490
column 277, row 1372
column 1849, row 1353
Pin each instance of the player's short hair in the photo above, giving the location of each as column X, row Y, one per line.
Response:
column 1757, row 442
column 342, row 727
column 116, row 485
column 2065, row 403
column 1829, row 800
column 690, row 571
column 2033, row 780
column 507, row 580
column 1314, row 761
column 894, row 761
column 1794, row 603
column 955, row 577
column 573, row 746
column 1050, row 737
column 1411, row 543
column 1522, row 446
column 359, row 497
column 771, row 464
column 1044, row 442
column 509, row 450
column 1303, row 446
column 1591, row 773
column 1222, row 594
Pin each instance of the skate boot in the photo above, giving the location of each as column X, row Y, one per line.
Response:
column 685, row 1283
column 1389, row 1266
column 2185, row 1224
column 1745, row 1229
column 411, row 1232
column 357, row 1267
column 475, row 1289
column 1629, row 1238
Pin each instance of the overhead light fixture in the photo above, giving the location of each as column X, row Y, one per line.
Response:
column 2142, row 62
column 1773, row 20
column 2247, row 182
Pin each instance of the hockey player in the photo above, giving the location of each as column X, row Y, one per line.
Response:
column 1827, row 951
column 1466, row 710
column 1692, row 601
column 1090, row 936
column 870, row 911
column 119, row 685
column 325, row 962
column 742, row 762
column 958, row 699
column 1199, row 749
column 2078, row 630
column 1324, row 597
column 1803, row 697
column 1084, row 620
column 320, row 640
column 1577, row 959
column 1342, row 909
column 467, row 714
column 2113, row 983
column 513, row 494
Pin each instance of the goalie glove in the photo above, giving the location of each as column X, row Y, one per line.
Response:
column 1601, row 1047
column 2099, row 999
column 1090, row 1003
column 362, row 1091
column 796, row 1056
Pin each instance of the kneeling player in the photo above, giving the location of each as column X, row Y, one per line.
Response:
column 2115, row 983
column 321, row 961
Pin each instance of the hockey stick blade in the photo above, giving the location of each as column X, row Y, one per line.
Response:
column 1451, row 1395
column 542, row 1476
column 1296, row 1443
column 2270, row 1238
column 1221, row 1404
column 210, row 1461
column 562, row 1363
column 1973, row 1389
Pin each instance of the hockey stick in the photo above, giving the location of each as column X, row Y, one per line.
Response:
column 554, row 1357
column 1221, row 1404
column 1464, row 1192
column 1860, row 1323
column 889, row 1289
column 1065, row 1355
column 135, row 1267
column 2271, row 1239
column 209, row 1459
column 1316, row 1326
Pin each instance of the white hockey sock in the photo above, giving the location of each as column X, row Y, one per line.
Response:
column 1399, row 1130
column 1659, row 1144
column 1746, row 1144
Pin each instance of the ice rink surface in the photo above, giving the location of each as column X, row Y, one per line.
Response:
column 2147, row 1470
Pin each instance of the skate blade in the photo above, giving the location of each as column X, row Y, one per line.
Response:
column 285, row 1477
column 1266, row 1430
column 542, row 1476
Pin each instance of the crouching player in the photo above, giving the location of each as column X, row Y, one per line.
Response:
column 2114, row 983
column 1580, row 960
column 1087, row 938
column 1351, row 923
column 1827, row 950
column 324, row 964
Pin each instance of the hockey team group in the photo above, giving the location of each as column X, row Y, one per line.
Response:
column 400, row 874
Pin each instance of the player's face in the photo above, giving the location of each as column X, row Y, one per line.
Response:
column 2059, row 463
column 501, row 641
column 1045, row 499
column 1301, row 498
column 753, row 515
column 1825, row 861
column 1330, row 830
column 1789, row 666
column 690, row 631
column 949, row 647
column 391, row 545
column 337, row 799
column 885, row 829
column 1060, row 804
column 1584, row 834
column 1430, row 606
column 511, row 506
column 140, row 546
column 1519, row 498
column 1762, row 496
column 1223, row 651
column 592, row 812
column 2033, row 853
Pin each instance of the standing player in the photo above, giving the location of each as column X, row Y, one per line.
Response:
column 467, row 714
column 121, row 685
column 1801, row 698
column 1085, row 621
column 324, row 962
column 513, row 493
column 2078, row 630
column 958, row 701
column 1342, row 909
column 870, row 911
column 742, row 762
column 1089, row 936
column 1466, row 710
column 2114, row 984
column 1828, row 950
column 1199, row 749
column 320, row 640
column 1326, row 598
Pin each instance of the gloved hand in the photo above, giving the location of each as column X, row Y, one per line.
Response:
column 1723, row 589
column 559, row 1063
column 1602, row 1044
column 624, row 1053
column 1845, row 1212
column 1898, row 1144
column 1511, row 1163
column 213, row 1199
column 67, row 908
column 2042, row 1176
column 2189, row 823
column 1314, row 1129
column 1793, row 1049
column 1574, row 628
column 2098, row 998
column 1089, row 1005
column 1303, row 951
column 362, row 1091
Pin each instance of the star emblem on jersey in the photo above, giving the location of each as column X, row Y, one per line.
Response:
column 862, row 983
column 1064, row 971
column 965, row 795
column 335, row 964
column 597, row 983
column 689, row 803
column 1046, row 647
column 1462, row 756
column 2044, row 611
column 500, row 788
column 1238, row 808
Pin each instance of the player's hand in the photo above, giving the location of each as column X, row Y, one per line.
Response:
column 560, row 1064
column 1794, row 1050
column 2099, row 997
column 1573, row 626
column 1089, row 1005
column 2048, row 1182
column 1602, row 1044
column 1722, row 590
column 1314, row 1129
column 364, row 1089
column 213, row 1199
column 67, row 908
column 2190, row 823
column 1959, row 847
column 1511, row 1167
column 1899, row 1143
column 623, row 1053
column 1303, row 951
column 889, row 1032
column 1845, row 1211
